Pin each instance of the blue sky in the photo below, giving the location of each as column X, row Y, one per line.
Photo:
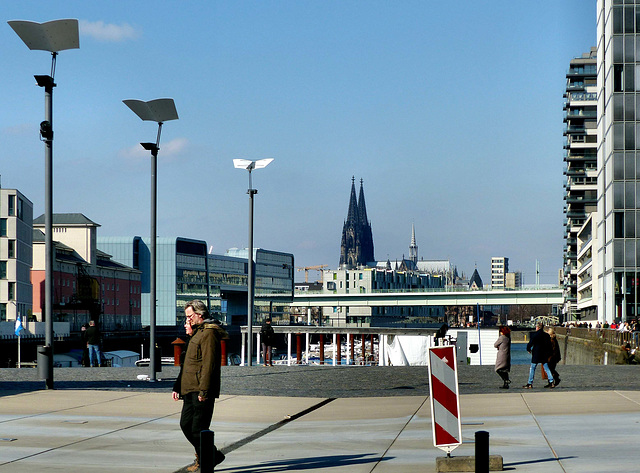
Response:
column 451, row 113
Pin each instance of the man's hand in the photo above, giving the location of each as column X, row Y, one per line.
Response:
column 202, row 399
column 175, row 396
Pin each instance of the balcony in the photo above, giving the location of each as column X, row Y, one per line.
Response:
column 579, row 113
column 582, row 199
column 575, row 130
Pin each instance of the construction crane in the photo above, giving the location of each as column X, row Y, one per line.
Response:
column 307, row 268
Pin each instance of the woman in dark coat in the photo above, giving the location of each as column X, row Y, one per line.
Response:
column 555, row 357
column 267, row 336
column 503, row 359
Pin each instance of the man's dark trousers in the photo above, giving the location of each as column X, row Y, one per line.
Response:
column 195, row 417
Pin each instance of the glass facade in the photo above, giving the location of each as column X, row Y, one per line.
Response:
column 619, row 158
column 185, row 271
column 273, row 284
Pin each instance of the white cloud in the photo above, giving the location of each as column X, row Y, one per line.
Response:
column 108, row 32
column 134, row 152
column 174, row 147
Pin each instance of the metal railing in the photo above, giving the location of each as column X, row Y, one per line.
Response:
column 607, row 335
column 442, row 290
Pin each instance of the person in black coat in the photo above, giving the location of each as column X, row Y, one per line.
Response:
column 266, row 337
column 93, row 344
column 540, row 348
column 555, row 356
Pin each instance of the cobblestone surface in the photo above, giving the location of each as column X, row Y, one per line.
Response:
column 323, row 381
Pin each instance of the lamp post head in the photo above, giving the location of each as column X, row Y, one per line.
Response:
column 158, row 110
column 52, row 36
column 251, row 165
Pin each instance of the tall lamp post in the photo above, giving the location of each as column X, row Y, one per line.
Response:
column 250, row 166
column 159, row 111
column 52, row 36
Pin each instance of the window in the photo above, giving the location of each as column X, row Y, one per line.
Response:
column 20, row 208
column 617, row 77
column 12, row 206
column 12, row 290
column 3, row 227
column 618, row 225
column 11, row 250
column 3, row 270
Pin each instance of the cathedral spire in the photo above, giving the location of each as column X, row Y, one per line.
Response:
column 356, row 248
column 413, row 247
column 362, row 207
column 352, row 214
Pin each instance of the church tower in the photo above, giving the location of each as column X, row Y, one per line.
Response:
column 356, row 248
column 413, row 247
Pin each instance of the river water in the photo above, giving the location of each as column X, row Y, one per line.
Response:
column 519, row 354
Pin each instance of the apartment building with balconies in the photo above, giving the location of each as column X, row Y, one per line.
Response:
column 580, row 170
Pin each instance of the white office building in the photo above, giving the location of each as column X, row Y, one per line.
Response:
column 618, row 208
column 499, row 270
column 16, row 255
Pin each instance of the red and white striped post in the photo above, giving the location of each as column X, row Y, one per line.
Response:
column 445, row 402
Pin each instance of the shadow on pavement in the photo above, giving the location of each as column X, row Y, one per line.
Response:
column 312, row 463
column 530, row 462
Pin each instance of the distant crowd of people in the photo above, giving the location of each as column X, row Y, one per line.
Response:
column 633, row 326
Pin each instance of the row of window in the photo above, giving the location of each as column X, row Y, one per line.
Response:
column 105, row 302
column 15, row 207
column 625, row 106
column 108, row 286
column 626, row 166
column 624, row 136
column 623, row 19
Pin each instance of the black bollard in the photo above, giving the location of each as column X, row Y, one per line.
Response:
column 207, row 451
column 482, row 451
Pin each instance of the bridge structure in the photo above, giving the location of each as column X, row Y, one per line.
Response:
column 525, row 296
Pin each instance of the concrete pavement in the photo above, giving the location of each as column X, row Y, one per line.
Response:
column 355, row 419
column 70, row 431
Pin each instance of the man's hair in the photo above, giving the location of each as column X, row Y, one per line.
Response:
column 539, row 324
column 198, row 307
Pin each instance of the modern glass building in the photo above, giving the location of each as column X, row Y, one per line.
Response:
column 181, row 266
column 185, row 271
column 618, row 214
column 580, row 170
column 273, row 285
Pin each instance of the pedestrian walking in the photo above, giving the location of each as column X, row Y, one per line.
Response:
column 266, row 338
column 85, row 348
column 555, row 357
column 199, row 384
column 93, row 343
column 540, row 348
column 503, row 359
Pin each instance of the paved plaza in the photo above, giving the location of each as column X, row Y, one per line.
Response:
column 312, row 419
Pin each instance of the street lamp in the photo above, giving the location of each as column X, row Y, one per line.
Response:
column 53, row 36
column 250, row 166
column 159, row 111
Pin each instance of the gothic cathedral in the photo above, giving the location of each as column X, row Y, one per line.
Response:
column 356, row 249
